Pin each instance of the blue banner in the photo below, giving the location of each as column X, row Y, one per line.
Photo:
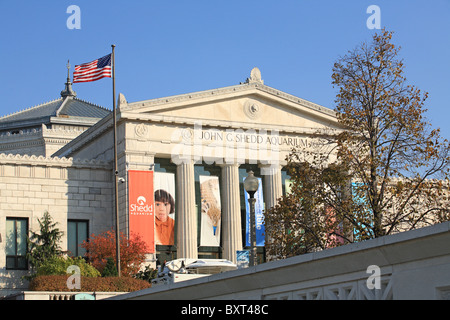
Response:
column 259, row 217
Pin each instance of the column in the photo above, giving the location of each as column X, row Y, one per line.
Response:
column 231, row 212
column 186, row 213
column 273, row 187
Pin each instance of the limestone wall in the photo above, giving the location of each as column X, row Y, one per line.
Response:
column 66, row 188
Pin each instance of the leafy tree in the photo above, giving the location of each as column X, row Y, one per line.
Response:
column 386, row 172
column 44, row 245
column 308, row 218
column 103, row 246
column 389, row 147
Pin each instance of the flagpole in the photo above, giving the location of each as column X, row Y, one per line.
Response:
column 116, row 171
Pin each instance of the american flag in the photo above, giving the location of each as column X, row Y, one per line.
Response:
column 92, row 71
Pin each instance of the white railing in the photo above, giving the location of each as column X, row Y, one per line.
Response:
column 408, row 265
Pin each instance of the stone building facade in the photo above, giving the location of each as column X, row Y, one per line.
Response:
column 221, row 133
column 70, row 190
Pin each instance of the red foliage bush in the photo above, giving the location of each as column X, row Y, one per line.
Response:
column 88, row 284
column 103, row 246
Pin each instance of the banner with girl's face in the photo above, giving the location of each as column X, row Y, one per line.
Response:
column 151, row 198
column 164, row 195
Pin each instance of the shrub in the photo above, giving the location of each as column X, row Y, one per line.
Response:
column 88, row 284
column 147, row 274
column 58, row 265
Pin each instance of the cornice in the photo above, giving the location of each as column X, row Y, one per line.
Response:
column 43, row 132
column 27, row 134
column 22, row 144
column 33, row 160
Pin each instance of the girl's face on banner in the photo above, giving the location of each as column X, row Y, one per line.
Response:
column 162, row 210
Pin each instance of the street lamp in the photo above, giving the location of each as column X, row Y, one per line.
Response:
column 251, row 185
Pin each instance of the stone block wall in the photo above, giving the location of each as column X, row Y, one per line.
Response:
column 66, row 188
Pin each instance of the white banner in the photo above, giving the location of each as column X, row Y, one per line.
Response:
column 211, row 211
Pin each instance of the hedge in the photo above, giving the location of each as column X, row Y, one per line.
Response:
column 88, row 284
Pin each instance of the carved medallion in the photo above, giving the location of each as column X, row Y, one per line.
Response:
column 187, row 134
column 252, row 110
column 141, row 130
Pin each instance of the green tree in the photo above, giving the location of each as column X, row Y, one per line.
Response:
column 44, row 245
column 110, row 269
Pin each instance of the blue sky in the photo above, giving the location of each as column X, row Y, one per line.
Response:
column 166, row 48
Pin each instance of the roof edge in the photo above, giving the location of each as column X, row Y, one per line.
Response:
column 243, row 87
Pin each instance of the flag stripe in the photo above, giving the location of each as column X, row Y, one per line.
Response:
column 85, row 68
column 94, row 78
column 94, row 70
column 87, row 65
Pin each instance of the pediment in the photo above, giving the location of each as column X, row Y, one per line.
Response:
column 237, row 114
column 242, row 105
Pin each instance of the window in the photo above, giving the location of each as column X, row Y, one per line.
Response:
column 77, row 232
column 16, row 243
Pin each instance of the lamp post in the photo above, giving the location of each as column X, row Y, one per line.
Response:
column 251, row 184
